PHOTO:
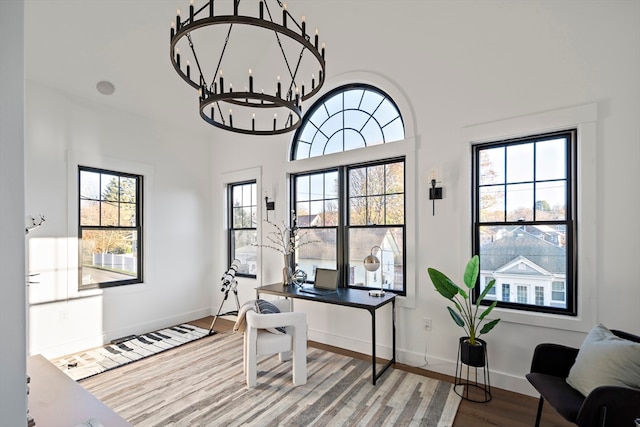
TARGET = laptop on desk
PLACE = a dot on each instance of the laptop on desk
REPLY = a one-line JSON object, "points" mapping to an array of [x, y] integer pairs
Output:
{"points": [[326, 282]]}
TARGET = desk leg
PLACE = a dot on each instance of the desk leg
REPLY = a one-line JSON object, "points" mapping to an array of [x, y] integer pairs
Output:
{"points": [[393, 329], [373, 349], [373, 340]]}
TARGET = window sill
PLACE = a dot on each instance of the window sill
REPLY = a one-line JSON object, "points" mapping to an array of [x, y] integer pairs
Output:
{"points": [[543, 320]]}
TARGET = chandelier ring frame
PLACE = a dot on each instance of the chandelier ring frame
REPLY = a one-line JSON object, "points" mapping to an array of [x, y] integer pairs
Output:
{"points": [[242, 99], [185, 29]]}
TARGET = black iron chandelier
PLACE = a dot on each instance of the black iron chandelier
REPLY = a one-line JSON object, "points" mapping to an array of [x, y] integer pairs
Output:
{"points": [[224, 43]]}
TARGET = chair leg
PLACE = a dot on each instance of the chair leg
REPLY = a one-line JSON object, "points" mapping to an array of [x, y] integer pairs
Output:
{"points": [[540, 403], [603, 416]]}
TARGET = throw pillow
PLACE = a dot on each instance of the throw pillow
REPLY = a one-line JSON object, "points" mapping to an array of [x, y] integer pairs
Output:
{"points": [[241, 322], [605, 359], [265, 307]]}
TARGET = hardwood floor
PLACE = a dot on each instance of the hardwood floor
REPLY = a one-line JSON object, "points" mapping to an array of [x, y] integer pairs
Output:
{"points": [[506, 408]]}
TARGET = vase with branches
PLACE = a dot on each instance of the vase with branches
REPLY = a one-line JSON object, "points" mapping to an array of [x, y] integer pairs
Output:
{"points": [[286, 239]]}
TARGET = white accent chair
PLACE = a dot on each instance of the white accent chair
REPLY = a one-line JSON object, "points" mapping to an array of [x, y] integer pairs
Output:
{"points": [[260, 342]]}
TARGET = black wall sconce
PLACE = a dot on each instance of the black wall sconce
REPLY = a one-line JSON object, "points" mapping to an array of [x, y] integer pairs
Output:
{"points": [[435, 193], [271, 205]]}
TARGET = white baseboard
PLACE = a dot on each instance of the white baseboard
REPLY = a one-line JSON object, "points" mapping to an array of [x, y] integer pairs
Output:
{"points": [[155, 324], [93, 341], [506, 381]]}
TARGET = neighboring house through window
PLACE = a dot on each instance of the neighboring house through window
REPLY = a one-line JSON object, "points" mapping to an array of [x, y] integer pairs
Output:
{"points": [[355, 209], [524, 227], [242, 215], [109, 227], [506, 292], [492, 292]]}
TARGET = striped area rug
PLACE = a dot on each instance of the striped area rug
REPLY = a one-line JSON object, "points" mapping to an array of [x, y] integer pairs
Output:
{"points": [[91, 362], [202, 384]]}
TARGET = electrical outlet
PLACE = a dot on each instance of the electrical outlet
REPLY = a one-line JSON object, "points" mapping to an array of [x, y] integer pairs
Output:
{"points": [[427, 323]]}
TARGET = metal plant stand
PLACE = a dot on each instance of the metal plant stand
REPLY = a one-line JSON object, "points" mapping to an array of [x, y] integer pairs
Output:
{"points": [[472, 376]]}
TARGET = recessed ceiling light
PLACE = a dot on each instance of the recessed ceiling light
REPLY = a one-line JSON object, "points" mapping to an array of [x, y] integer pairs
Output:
{"points": [[105, 87]]}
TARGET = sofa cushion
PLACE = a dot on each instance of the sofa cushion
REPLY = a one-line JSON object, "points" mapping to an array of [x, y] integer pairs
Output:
{"points": [[605, 359]]}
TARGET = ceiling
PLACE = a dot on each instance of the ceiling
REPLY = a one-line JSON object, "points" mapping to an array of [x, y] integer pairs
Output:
{"points": [[71, 45]]}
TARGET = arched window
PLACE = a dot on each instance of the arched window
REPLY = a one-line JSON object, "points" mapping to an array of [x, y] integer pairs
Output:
{"points": [[352, 210], [348, 117]]}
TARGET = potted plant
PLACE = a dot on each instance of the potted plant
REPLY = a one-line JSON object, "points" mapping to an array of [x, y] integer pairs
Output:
{"points": [[468, 315]]}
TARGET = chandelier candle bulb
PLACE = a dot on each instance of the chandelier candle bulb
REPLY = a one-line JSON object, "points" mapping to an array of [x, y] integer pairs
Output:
{"points": [[284, 15], [235, 7], [211, 8], [221, 82], [261, 10], [178, 19], [322, 50], [275, 117], [230, 87], [230, 118], [250, 81], [279, 88], [173, 29], [191, 11], [188, 70], [316, 39], [313, 82], [304, 25], [178, 57], [253, 122]]}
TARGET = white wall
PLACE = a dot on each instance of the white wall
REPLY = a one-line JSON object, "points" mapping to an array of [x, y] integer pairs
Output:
{"points": [[13, 387], [463, 68], [62, 132]]}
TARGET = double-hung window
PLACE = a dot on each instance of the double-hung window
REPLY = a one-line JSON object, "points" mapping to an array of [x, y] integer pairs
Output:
{"points": [[109, 228], [524, 220], [242, 216], [353, 211]]}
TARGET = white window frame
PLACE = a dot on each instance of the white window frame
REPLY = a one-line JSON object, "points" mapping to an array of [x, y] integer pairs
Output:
{"points": [[525, 288], [535, 294], [405, 148], [226, 179], [78, 158], [584, 119]]}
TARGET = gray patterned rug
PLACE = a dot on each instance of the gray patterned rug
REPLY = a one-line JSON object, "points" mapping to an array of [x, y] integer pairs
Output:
{"points": [[202, 384]]}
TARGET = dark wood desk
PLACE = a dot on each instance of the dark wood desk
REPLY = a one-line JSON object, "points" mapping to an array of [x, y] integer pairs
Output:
{"points": [[347, 297]]}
